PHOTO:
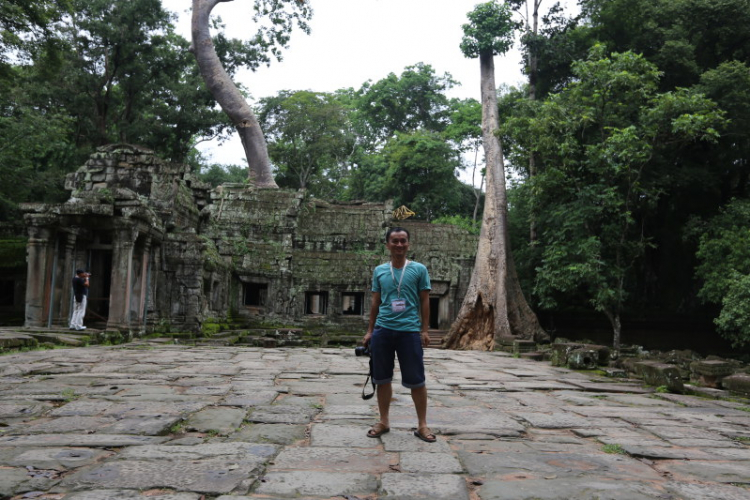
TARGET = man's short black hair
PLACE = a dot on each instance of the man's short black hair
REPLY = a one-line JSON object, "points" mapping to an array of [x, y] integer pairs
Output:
{"points": [[396, 230]]}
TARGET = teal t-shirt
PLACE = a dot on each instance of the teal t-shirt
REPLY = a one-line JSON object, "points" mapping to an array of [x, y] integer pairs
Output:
{"points": [[414, 281]]}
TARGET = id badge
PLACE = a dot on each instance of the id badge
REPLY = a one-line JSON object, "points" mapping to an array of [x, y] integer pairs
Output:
{"points": [[398, 305]]}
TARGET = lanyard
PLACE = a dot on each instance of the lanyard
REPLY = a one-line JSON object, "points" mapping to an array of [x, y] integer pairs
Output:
{"points": [[401, 279]]}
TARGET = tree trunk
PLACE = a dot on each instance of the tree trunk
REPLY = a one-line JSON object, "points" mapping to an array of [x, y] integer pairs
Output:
{"points": [[494, 305], [533, 72], [614, 319], [229, 97]]}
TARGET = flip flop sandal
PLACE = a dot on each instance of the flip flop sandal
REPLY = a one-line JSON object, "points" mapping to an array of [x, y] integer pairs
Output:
{"points": [[425, 434], [378, 430]]}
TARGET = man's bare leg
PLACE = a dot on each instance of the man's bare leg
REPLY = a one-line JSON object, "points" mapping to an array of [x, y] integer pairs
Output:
{"points": [[385, 393], [419, 396]]}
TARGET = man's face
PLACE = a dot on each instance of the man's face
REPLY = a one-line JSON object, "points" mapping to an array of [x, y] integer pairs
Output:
{"points": [[398, 243]]}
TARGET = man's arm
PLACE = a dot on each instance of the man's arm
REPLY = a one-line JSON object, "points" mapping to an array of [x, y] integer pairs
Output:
{"points": [[424, 312], [374, 308]]}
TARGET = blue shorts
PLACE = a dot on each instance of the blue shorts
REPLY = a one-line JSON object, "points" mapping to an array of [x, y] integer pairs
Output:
{"points": [[385, 344]]}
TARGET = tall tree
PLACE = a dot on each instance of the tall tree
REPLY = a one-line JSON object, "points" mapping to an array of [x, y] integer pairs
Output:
{"points": [[282, 15], [310, 140], [494, 305], [421, 171], [601, 141]]}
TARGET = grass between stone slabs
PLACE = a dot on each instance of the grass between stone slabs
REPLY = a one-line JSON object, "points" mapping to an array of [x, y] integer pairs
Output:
{"points": [[614, 449]]}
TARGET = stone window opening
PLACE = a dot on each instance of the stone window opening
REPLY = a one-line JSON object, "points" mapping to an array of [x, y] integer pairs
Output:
{"points": [[352, 303], [316, 303], [255, 294]]}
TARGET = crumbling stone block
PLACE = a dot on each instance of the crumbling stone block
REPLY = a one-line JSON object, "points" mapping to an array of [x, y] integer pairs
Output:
{"points": [[560, 352], [709, 373], [660, 375], [520, 346], [739, 383], [583, 359]]}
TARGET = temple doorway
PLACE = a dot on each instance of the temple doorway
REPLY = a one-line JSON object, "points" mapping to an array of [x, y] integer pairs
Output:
{"points": [[100, 266]]}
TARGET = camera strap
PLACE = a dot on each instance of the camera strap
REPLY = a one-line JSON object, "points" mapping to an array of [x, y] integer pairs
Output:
{"points": [[369, 377]]}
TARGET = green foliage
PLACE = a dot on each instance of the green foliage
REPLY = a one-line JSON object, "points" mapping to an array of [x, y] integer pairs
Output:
{"points": [[13, 253], [490, 30], [724, 269], [463, 222], [614, 449], [421, 169], [216, 174], [310, 140], [596, 143], [414, 100]]}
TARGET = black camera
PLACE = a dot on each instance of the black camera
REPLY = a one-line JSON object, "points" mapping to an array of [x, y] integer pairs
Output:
{"points": [[362, 350]]}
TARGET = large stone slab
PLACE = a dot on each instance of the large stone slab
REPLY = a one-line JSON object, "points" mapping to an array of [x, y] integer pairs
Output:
{"points": [[401, 440], [541, 465], [710, 471], [342, 436], [222, 420], [281, 414], [228, 450], [568, 488], [423, 486], [695, 491], [425, 462], [22, 410], [131, 494], [317, 483], [59, 459], [270, 433], [211, 476], [336, 460], [256, 398], [84, 440]]}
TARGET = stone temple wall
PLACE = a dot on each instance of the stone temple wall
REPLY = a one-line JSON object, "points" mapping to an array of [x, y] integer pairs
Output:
{"points": [[288, 257], [170, 252]]}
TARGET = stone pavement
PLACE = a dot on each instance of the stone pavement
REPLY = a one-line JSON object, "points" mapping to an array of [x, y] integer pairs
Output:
{"points": [[168, 422]]}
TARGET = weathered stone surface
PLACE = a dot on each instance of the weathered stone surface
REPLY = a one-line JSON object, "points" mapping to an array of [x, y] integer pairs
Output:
{"points": [[540, 465], [583, 359], [270, 433], [399, 440], [335, 460], [518, 443], [738, 383], [695, 491], [130, 494], [281, 414], [221, 420], [103, 440], [210, 476], [427, 486], [424, 462], [660, 375], [342, 436], [711, 471], [553, 488], [58, 458], [245, 451], [320, 484], [259, 398]]}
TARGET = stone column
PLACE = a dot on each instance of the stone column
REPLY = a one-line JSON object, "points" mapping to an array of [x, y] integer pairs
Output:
{"points": [[67, 277], [145, 262], [38, 259], [122, 273]]}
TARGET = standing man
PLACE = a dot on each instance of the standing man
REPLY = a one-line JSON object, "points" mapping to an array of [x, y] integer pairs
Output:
{"points": [[399, 319], [81, 294]]}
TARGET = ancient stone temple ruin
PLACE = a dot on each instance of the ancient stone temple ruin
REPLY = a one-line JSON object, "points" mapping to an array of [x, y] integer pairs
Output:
{"points": [[166, 250]]}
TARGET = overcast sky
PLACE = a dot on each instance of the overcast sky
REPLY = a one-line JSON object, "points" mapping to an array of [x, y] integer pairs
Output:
{"points": [[352, 41]]}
